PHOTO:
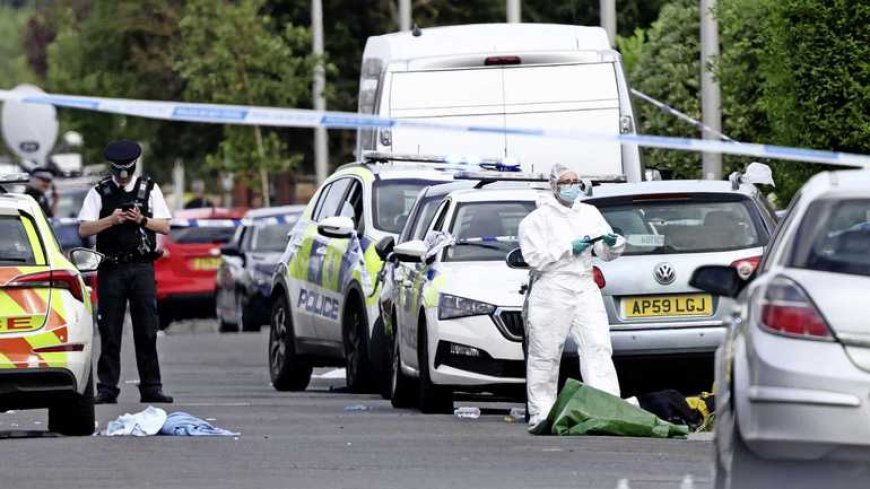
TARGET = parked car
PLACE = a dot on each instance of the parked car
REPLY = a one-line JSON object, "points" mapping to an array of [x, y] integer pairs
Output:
{"points": [[244, 278], [185, 274], [71, 194], [46, 321], [451, 303], [793, 374], [324, 293]]}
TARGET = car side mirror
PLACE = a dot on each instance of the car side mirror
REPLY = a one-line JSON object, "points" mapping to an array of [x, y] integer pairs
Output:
{"points": [[86, 260], [411, 251], [230, 250], [385, 246], [515, 259], [718, 280], [340, 227]]}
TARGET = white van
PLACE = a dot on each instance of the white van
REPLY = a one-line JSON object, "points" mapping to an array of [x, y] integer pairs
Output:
{"points": [[515, 75]]}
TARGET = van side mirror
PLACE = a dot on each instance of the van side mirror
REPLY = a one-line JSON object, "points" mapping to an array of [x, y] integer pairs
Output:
{"points": [[384, 247], [411, 251], [718, 280], [515, 260], [230, 249], [340, 227]]}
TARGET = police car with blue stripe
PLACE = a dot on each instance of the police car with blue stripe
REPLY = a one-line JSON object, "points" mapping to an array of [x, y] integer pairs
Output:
{"points": [[324, 308]]}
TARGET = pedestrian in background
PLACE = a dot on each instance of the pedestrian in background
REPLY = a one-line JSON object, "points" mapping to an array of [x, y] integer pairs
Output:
{"points": [[125, 213], [557, 241], [199, 200], [41, 182]]}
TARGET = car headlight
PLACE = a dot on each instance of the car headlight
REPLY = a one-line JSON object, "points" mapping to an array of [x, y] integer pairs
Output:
{"points": [[451, 306]]}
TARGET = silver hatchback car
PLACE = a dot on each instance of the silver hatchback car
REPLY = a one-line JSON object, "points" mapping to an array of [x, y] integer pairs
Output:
{"points": [[672, 228], [793, 377]]}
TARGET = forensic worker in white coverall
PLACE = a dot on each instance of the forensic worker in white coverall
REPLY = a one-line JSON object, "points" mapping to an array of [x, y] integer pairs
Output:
{"points": [[557, 241]]}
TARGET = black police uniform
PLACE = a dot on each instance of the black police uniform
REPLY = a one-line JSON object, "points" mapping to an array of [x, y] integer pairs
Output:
{"points": [[127, 275], [40, 198]]}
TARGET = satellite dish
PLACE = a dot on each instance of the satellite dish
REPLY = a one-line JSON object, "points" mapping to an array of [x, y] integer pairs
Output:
{"points": [[29, 130]]}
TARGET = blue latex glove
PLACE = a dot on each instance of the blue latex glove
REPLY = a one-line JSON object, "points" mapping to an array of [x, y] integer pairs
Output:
{"points": [[609, 239], [579, 245]]}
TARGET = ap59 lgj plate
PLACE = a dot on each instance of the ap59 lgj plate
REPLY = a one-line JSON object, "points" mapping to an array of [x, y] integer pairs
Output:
{"points": [[668, 305]]}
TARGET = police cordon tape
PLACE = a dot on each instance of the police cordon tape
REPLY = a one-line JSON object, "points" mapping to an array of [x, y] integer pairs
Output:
{"points": [[283, 117], [230, 223]]}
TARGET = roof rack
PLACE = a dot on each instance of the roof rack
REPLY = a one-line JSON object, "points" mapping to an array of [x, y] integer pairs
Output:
{"points": [[12, 178]]}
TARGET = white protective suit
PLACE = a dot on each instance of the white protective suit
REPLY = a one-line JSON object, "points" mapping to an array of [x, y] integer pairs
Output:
{"points": [[564, 298]]}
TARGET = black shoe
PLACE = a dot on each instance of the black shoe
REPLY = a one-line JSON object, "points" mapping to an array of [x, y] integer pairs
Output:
{"points": [[105, 398], [156, 397]]}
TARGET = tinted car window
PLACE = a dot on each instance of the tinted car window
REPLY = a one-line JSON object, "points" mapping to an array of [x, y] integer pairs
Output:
{"points": [[684, 225], [69, 204], [486, 231], [272, 238], [201, 235], [14, 246], [392, 201], [834, 237]]}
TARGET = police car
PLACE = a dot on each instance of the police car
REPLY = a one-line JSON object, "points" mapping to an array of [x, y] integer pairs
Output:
{"points": [[46, 319], [323, 301], [453, 305]]}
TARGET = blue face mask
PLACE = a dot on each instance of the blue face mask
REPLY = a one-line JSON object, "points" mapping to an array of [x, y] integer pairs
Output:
{"points": [[569, 193]]}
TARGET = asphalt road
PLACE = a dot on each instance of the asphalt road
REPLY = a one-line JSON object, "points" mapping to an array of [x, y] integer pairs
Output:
{"points": [[303, 440]]}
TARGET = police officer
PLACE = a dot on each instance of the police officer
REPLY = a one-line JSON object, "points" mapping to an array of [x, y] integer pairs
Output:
{"points": [[41, 181], [125, 213]]}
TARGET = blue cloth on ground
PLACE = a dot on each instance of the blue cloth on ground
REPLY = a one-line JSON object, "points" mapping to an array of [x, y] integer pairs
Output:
{"points": [[183, 424]]}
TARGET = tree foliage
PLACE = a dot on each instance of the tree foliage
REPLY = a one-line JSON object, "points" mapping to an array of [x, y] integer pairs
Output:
{"points": [[264, 69]]}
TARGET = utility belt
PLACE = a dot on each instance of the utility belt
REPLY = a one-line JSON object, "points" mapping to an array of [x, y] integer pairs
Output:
{"points": [[131, 257]]}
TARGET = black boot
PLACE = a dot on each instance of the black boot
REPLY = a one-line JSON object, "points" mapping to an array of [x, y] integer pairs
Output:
{"points": [[105, 398], [156, 397]]}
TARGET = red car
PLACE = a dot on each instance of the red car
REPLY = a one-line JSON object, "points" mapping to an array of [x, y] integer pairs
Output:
{"points": [[185, 274]]}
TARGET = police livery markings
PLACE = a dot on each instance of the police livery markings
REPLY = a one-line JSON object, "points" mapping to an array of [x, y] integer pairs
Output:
{"points": [[284, 117]]}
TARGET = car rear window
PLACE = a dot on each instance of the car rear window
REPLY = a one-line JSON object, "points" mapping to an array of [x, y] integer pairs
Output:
{"points": [[15, 248], [201, 235], [393, 201], [834, 237], [658, 225], [486, 231]]}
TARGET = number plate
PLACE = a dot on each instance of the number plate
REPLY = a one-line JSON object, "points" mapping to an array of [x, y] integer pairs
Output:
{"points": [[210, 263], [668, 305]]}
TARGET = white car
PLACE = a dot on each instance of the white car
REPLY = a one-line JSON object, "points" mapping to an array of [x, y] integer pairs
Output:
{"points": [[46, 320], [453, 305]]}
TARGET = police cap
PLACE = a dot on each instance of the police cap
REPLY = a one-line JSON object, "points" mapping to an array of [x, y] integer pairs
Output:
{"points": [[122, 152]]}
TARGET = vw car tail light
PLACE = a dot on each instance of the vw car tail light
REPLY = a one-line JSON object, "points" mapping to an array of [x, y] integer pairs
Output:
{"points": [[746, 266], [598, 276]]}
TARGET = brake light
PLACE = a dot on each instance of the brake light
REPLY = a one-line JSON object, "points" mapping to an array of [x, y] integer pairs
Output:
{"points": [[502, 60], [598, 277], [746, 266], [786, 309], [56, 279]]}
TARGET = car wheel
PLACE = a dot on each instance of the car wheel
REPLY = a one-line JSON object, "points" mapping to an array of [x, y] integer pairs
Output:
{"points": [[287, 371], [75, 418], [165, 315], [434, 399], [379, 352], [247, 319], [403, 393], [356, 353]]}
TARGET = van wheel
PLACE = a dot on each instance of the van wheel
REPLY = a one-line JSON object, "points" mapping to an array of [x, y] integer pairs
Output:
{"points": [[287, 371], [403, 393], [75, 418], [434, 399], [356, 353]]}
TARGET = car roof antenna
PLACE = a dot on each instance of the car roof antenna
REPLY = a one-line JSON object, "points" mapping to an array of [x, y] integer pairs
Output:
{"points": [[415, 30]]}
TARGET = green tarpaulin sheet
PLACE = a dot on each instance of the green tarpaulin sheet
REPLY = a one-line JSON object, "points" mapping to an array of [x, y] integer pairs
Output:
{"points": [[583, 410]]}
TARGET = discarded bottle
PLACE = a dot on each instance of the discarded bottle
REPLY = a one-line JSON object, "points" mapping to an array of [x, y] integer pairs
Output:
{"points": [[467, 412], [356, 407]]}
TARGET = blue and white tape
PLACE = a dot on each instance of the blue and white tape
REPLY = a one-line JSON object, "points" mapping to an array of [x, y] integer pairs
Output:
{"points": [[282, 117]]}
